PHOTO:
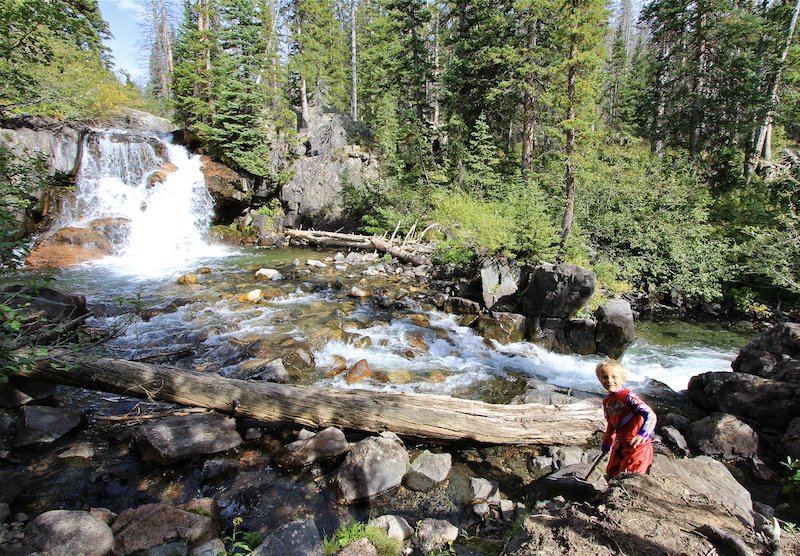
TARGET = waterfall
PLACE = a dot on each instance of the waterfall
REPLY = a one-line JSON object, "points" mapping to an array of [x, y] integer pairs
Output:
{"points": [[151, 193]]}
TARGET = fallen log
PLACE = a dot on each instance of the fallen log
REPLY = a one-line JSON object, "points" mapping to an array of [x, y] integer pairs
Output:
{"points": [[354, 241], [428, 417]]}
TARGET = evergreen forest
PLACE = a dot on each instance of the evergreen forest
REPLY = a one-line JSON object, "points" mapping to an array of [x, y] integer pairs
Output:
{"points": [[657, 144]]}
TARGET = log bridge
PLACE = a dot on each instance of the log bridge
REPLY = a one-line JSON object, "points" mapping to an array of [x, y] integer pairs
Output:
{"points": [[433, 418]]}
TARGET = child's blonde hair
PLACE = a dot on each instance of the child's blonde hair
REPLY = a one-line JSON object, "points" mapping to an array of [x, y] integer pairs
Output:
{"points": [[611, 364]]}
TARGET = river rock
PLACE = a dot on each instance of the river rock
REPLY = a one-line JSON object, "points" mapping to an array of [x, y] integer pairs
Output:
{"points": [[506, 328], [268, 274], [769, 403], [499, 282], [723, 435], [774, 354], [614, 331], [358, 372], [69, 246], [580, 336], [264, 369], [69, 532], [325, 444], [176, 438], [557, 291], [187, 279], [297, 538], [428, 470], [461, 306], [42, 425], [374, 465], [432, 534], [20, 391], [152, 525], [394, 526]]}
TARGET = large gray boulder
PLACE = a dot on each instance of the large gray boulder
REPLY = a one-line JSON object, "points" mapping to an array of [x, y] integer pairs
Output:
{"points": [[428, 470], [57, 143], [374, 465], [614, 331], [557, 291], [723, 435], [500, 280], [43, 425], [181, 437], [69, 532], [297, 538], [775, 354]]}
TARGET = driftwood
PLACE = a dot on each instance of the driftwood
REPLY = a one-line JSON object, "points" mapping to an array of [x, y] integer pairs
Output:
{"points": [[429, 417], [354, 241]]}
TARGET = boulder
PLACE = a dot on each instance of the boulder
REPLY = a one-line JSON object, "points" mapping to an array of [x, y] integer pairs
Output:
{"points": [[461, 306], [506, 328], [297, 538], [614, 330], [42, 425], [325, 444], [46, 305], [557, 291], [723, 435], [499, 281], [791, 440], [763, 401], [774, 354], [176, 438], [69, 246], [433, 534], [673, 438], [580, 336], [394, 526], [151, 525], [263, 369], [69, 532], [358, 372], [20, 391], [428, 470], [374, 466], [228, 189], [136, 120], [57, 143]]}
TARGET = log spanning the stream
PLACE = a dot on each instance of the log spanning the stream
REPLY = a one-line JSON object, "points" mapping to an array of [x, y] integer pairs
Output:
{"points": [[429, 417], [354, 241]]}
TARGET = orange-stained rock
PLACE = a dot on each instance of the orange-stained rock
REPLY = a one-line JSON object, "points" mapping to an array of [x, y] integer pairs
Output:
{"points": [[418, 341], [339, 366], [187, 279], [252, 296], [161, 174], [359, 371], [437, 377], [223, 183], [69, 246], [420, 320]]}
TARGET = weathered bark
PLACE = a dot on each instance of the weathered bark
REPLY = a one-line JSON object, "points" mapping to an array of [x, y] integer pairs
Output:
{"points": [[569, 147], [353, 241], [429, 417], [353, 67]]}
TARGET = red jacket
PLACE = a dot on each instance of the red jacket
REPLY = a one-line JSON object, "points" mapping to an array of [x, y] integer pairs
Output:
{"points": [[627, 415]]}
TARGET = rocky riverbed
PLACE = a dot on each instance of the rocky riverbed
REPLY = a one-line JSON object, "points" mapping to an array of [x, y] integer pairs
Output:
{"points": [[90, 473]]}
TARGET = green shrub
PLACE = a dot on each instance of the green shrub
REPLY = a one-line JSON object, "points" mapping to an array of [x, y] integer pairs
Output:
{"points": [[482, 226], [791, 483], [356, 531]]}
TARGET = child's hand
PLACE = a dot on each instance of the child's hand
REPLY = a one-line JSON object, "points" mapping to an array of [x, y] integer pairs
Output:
{"points": [[637, 440]]}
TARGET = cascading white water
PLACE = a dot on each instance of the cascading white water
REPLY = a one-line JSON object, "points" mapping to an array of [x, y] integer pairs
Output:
{"points": [[165, 221]]}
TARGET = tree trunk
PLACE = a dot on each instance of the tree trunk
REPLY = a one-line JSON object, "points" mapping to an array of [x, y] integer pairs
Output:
{"points": [[529, 110], [353, 67], [772, 102], [429, 417], [354, 241], [569, 171]]}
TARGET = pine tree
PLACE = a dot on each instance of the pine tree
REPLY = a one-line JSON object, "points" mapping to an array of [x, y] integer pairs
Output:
{"points": [[481, 163]]}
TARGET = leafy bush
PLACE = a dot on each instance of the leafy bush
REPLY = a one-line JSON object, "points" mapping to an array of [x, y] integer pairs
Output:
{"points": [[481, 226], [356, 531], [791, 483]]}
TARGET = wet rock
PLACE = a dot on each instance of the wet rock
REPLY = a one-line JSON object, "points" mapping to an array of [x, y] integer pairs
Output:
{"points": [[417, 341], [42, 425], [580, 336], [428, 470], [673, 438], [45, 305], [420, 320], [83, 452], [268, 274], [187, 279], [176, 438], [461, 306], [432, 534], [325, 444], [361, 547], [614, 331], [358, 372], [315, 263], [506, 328], [152, 525], [253, 296], [339, 366], [723, 435], [69, 246], [69, 532], [394, 526], [774, 354], [557, 291], [374, 466], [228, 189], [500, 280], [297, 538], [299, 360], [358, 293], [263, 369], [20, 391], [161, 174]]}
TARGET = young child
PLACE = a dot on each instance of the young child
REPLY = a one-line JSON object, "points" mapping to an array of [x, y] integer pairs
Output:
{"points": [[631, 422]]}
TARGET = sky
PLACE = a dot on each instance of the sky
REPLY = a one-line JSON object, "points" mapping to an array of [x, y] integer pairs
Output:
{"points": [[125, 20]]}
